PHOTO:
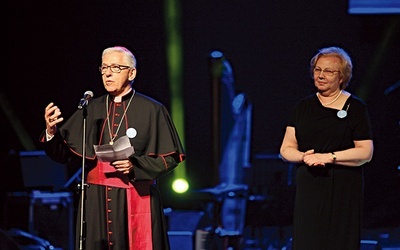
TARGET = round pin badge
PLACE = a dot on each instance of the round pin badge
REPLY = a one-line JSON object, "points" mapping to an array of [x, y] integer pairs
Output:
{"points": [[131, 132], [341, 114]]}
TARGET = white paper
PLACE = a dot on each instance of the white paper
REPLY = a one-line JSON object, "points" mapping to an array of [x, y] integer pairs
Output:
{"points": [[121, 149]]}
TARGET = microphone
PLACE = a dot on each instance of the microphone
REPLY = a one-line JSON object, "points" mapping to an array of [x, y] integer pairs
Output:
{"points": [[87, 96]]}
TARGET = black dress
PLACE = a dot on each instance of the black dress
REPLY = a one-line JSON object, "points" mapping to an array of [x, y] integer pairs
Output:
{"points": [[158, 151], [328, 203]]}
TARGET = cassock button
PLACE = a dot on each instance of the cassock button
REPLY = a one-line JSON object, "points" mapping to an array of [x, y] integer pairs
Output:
{"points": [[109, 210], [108, 199], [111, 243], [109, 221], [109, 189], [110, 233]]}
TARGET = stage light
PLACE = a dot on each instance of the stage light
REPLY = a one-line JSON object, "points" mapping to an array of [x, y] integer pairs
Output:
{"points": [[175, 66], [180, 186]]}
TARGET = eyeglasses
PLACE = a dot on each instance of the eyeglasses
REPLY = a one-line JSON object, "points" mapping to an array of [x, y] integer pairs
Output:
{"points": [[115, 68], [327, 72]]}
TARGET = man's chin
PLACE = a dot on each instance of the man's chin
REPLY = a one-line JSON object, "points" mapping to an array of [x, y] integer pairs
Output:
{"points": [[111, 91]]}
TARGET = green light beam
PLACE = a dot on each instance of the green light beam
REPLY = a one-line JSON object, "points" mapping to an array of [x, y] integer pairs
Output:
{"points": [[174, 51]]}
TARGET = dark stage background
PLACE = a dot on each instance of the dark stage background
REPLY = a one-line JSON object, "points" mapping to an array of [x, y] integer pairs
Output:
{"points": [[54, 50]]}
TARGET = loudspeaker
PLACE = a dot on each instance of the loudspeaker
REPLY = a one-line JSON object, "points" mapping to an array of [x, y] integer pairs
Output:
{"points": [[181, 240], [182, 226], [51, 217]]}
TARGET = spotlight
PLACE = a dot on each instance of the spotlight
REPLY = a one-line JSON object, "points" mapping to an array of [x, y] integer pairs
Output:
{"points": [[180, 186]]}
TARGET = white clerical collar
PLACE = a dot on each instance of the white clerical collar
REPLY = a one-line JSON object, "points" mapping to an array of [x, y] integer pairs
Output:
{"points": [[119, 98]]}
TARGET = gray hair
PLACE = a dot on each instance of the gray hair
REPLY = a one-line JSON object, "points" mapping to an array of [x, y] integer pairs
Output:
{"points": [[131, 59], [346, 66]]}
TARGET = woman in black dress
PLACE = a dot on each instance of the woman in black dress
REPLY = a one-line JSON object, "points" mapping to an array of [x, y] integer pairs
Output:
{"points": [[329, 137]]}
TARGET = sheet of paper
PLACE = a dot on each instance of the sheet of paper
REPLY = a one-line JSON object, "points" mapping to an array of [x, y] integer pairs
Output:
{"points": [[121, 149]]}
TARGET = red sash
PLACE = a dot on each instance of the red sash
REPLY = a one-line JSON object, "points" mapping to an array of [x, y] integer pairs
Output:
{"points": [[138, 199]]}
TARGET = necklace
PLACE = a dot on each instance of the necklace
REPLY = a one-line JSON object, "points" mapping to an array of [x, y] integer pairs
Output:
{"points": [[329, 103], [112, 138]]}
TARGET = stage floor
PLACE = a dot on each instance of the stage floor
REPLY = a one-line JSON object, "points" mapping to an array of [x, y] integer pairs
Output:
{"points": [[278, 238]]}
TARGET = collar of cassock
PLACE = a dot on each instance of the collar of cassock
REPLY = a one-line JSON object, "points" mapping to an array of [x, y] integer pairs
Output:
{"points": [[125, 97]]}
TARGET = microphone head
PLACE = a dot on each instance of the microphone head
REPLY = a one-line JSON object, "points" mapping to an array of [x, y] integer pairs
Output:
{"points": [[87, 96], [89, 93]]}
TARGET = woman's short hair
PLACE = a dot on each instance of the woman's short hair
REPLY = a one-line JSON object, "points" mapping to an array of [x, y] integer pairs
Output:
{"points": [[346, 66]]}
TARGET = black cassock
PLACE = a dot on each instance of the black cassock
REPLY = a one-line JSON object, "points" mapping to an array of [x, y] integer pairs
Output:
{"points": [[122, 208]]}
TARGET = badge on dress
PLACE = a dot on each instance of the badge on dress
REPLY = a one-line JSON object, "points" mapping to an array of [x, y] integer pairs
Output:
{"points": [[343, 113]]}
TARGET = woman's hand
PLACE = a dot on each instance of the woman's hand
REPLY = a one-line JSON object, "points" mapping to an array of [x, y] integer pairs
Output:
{"points": [[317, 160]]}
